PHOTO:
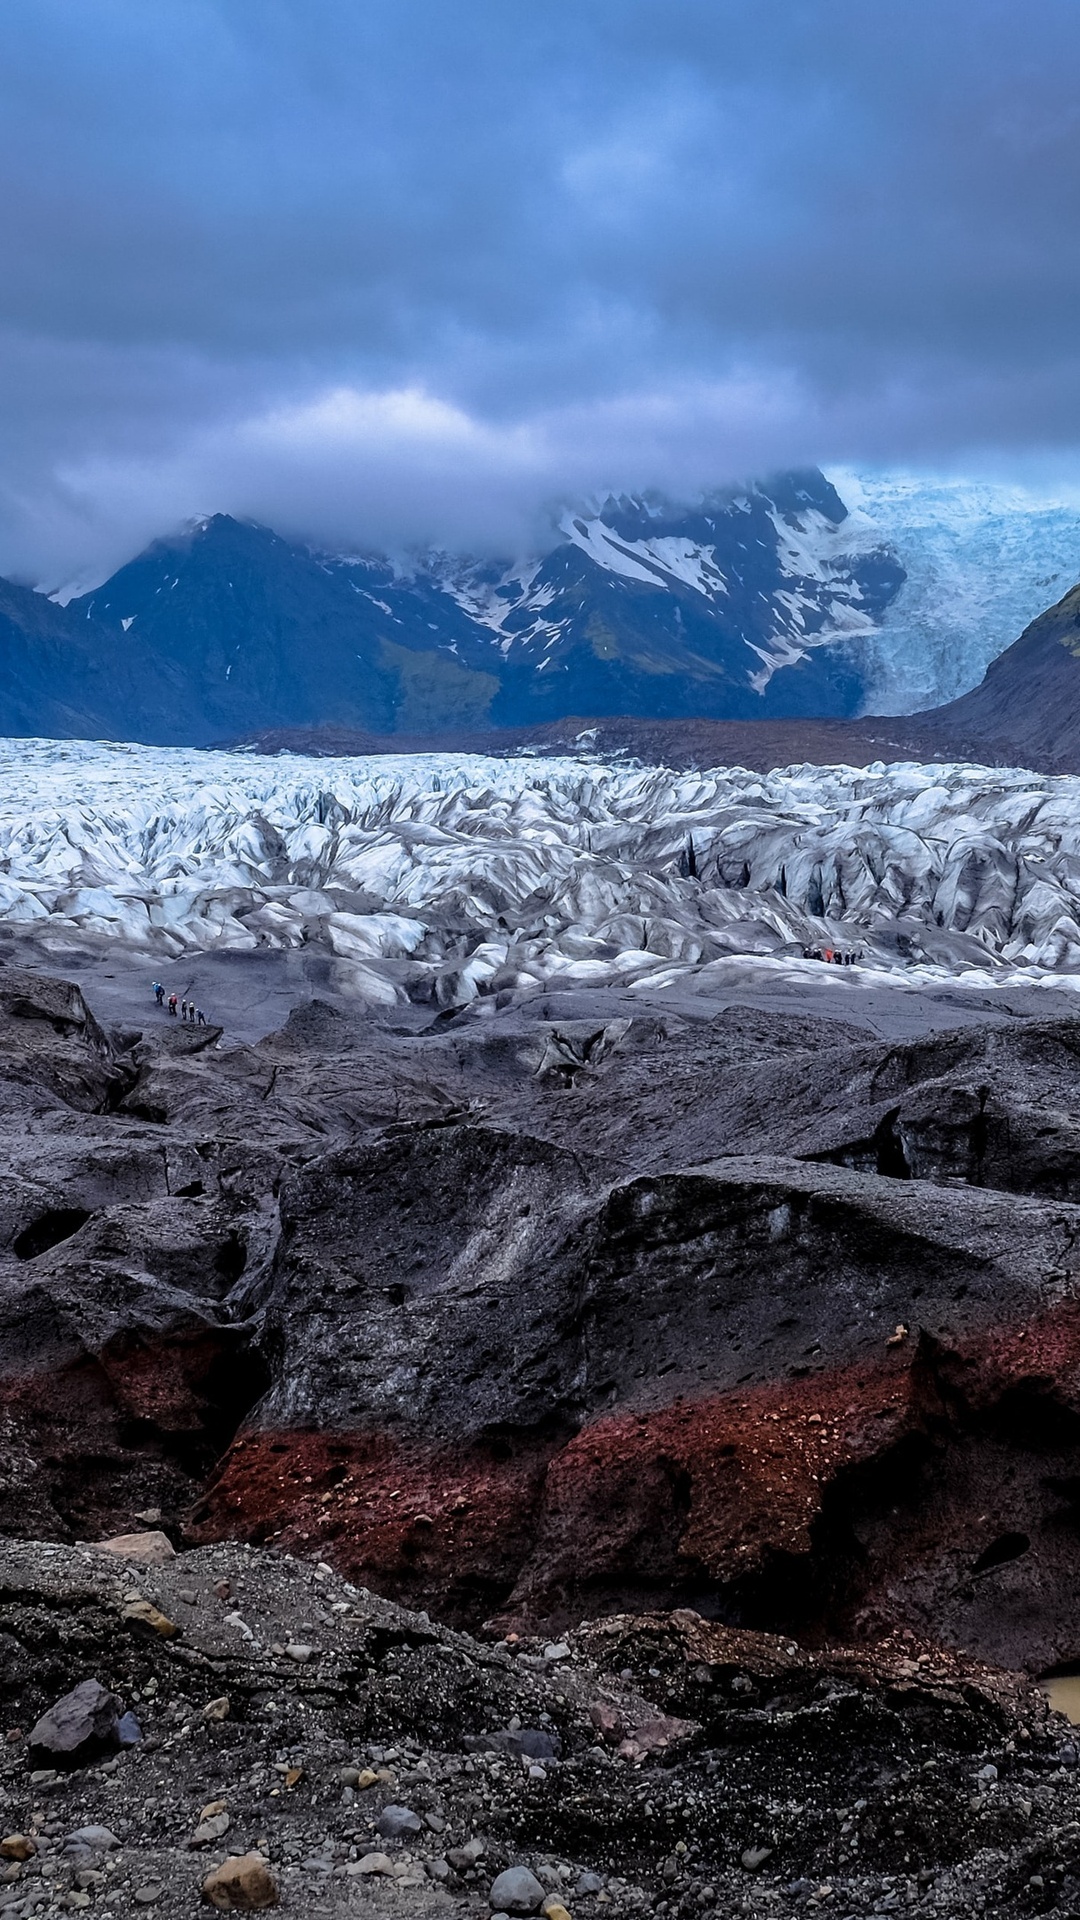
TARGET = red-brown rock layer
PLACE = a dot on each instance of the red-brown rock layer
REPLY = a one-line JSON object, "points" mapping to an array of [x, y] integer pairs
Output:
{"points": [[907, 1490]]}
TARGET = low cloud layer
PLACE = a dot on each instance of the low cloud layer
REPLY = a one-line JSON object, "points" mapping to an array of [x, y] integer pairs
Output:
{"points": [[408, 272]]}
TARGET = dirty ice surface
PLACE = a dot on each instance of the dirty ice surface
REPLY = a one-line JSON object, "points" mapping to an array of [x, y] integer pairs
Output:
{"points": [[446, 882]]}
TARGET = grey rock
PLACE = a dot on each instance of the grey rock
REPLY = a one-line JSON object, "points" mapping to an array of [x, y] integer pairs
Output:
{"points": [[518, 1890], [97, 1839], [394, 1823], [83, 1722]]}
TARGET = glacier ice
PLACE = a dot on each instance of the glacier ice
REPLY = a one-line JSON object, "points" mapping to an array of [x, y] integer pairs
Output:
{"points": [[451, 880], [982, 560]]}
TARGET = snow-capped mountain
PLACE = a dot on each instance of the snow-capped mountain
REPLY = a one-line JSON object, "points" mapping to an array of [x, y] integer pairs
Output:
{"points": [[770, 602], [751, 604], [774, 562]]}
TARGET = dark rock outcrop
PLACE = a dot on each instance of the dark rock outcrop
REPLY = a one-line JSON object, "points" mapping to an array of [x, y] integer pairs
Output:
{"points": [[527, 1318]]}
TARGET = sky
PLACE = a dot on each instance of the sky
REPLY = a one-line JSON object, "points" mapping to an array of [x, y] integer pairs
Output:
{"points": [[403, 272]]}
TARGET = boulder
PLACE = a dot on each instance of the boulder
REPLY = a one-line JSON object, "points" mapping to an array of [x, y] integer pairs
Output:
{"points": [[517, 1891], [151, 1549], [84, 1722]]}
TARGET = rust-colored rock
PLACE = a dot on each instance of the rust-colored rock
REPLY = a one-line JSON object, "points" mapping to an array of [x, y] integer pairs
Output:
{"points": [[17, 1846], [243, 1883]]}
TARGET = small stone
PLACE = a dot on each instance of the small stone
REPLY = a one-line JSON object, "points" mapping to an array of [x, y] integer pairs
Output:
{"points": [[218, 1709], [373, 1863], [188, 1595], [435, 1822], [152, 1549], [589, 1883], [76, 1898], [83, 1722], [987, 1774], [395, 1822], [755, 1857], [655, 1736], [557, 1650], [518, 1890], [223, 1589], [143, 1613], [146, 1896], [553, 1908], [243, 1883], [212, 1827], [17, 1846], [128, 1732], [100, 1839], [298, 1652], [150, 1516], [367, 1777], [607, 1720], [462, 1858]]}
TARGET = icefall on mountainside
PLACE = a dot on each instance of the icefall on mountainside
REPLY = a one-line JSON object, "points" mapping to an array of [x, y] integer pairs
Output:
{"points": [[444, 880], [981, 560]]}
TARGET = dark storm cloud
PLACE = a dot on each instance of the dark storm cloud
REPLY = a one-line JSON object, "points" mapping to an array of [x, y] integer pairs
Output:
{"points": [[410, 271]]}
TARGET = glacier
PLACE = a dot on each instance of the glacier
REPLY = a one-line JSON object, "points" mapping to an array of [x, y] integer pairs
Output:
{"points": [[454, 882], [982, 560]]}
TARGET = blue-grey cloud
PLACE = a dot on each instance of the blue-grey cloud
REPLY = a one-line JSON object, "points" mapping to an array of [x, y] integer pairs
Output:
{"points": [[408, 271]]}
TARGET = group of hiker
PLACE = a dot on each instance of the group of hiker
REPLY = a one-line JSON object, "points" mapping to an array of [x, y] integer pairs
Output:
{"points": [[182, 1009], [835, 956]]}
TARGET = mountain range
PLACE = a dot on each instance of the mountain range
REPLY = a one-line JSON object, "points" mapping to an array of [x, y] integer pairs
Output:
{"points": [[682, 628], [752, 604]]}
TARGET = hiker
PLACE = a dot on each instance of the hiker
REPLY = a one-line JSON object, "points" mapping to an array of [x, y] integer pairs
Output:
{"points": [[172, 1005], [159, 993], [201, 1017]]}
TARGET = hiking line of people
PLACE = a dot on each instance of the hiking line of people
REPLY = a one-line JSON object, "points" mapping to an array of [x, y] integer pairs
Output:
{"points": [[834, 956], [186, 1009]]}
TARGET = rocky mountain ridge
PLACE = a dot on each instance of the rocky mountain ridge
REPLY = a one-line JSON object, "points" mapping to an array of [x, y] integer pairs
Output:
{"points": [[748, 605]]}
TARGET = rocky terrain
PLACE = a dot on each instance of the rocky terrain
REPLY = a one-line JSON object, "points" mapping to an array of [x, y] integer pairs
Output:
{"points": [[363, 1761], [712, 1377]]}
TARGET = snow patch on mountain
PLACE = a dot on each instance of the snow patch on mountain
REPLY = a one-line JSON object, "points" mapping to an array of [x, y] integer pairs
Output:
{"points": [[656, 561]]}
